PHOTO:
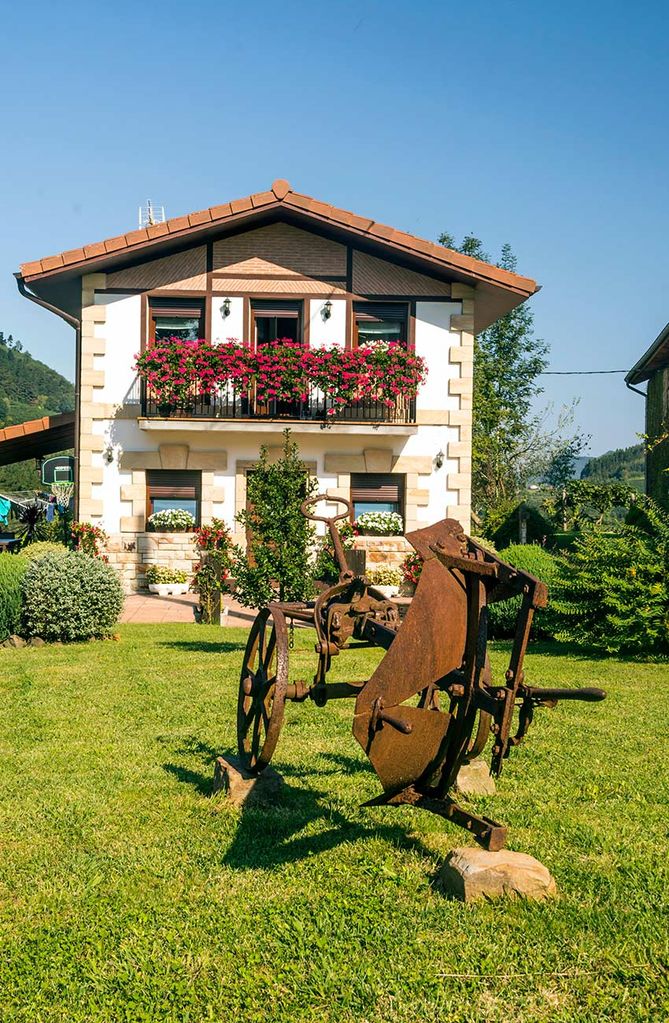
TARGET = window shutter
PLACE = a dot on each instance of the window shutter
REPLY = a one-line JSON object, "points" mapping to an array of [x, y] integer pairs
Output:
{"points": [[174, 483], [376, 486], [267, 307], [370, 312]]}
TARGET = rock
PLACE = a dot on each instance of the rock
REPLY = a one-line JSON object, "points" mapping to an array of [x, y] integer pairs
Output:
{"points": [[474, 779], [15, 641], [36, 641], [242, 787], [476, 873]]}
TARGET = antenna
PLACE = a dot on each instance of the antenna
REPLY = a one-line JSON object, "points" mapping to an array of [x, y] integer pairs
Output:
{"points": [[151, 213]]}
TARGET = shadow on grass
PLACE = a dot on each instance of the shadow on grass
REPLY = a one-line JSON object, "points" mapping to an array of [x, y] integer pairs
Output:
{"points": [[264, 838], [203, 646], [341, 764]]}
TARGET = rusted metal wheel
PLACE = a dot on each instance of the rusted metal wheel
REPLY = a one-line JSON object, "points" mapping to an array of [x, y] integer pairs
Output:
{"points": [[262, 689]]}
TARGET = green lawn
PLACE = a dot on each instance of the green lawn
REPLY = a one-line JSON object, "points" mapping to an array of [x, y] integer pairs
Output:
{"points": [[126, 893]]}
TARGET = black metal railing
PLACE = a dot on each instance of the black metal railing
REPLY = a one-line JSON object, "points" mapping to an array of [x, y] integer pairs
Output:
{"points": [[229, 403]]}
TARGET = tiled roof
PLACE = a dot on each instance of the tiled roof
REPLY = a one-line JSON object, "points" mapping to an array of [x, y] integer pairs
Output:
{"points": [[652, 360], [37, 437], [281, 195]]}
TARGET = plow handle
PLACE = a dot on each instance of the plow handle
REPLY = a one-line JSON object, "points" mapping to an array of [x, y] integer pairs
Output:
{"points": [[330, 523], [588, 694]]}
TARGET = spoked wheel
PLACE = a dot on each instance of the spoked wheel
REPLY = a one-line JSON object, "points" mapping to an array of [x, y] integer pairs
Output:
{"points": [[262, 689]]}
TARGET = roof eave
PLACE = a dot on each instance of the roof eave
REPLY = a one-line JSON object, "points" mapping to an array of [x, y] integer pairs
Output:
{"points": [[641, 371]]}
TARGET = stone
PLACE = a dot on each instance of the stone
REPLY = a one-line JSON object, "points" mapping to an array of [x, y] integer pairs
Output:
{"points": [[15, 641], [36, 641], [474, 779], [471, 874], [242, 787]]}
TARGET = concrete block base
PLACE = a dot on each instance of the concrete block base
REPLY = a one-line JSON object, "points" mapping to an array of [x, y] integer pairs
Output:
{"points": [[241, 787], [474, 779]]}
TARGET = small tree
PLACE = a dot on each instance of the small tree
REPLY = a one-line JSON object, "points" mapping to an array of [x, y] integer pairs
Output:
{"points": [[276, 561]]}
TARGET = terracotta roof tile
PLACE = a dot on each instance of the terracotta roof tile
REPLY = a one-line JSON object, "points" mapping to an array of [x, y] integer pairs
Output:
{"points": [[137, 237], [114, 244], [201, 217], [282, 194], [157, 230]]}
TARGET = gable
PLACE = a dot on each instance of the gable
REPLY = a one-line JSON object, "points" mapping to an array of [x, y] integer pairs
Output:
{"points": [[373, 276], [184, 271], [280, 248]]}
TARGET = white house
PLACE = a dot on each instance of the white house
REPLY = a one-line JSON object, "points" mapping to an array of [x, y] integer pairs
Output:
{"points": [[274, 264]]}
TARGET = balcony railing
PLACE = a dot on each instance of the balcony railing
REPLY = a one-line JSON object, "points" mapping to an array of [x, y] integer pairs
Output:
{"points": [[227, 403]]}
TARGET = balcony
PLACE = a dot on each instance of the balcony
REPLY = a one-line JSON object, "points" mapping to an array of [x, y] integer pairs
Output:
{"points": [[228, 408]]}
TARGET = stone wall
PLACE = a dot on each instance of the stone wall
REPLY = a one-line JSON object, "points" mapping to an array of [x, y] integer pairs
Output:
{"points": [[131, 556], [383, 551]]}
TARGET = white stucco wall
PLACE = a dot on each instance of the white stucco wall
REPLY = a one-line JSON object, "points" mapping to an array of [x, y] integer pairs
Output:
{"points": [[433, 341], [122, 331], [327, 332], [231, 327]]}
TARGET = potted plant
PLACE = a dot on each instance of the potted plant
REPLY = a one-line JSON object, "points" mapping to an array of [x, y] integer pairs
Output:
{"points": [[385, 580], [410, 569], [164, 580], [212, 575], [380, 524], [171, 520]]}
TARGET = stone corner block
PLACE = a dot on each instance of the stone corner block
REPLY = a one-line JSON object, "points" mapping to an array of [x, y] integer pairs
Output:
{"points": [[471, 874], [242, 787], [378, 459]]}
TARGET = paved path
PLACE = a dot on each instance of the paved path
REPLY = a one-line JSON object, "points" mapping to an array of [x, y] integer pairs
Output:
{"points": [[150, 609]]}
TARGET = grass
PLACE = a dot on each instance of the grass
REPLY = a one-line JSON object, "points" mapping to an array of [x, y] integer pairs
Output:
{"points": [[127, 894]]}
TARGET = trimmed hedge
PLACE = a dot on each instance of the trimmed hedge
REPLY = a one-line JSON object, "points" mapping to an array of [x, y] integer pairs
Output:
{"points": [[545, 566], [70, 596], [12, 570]]}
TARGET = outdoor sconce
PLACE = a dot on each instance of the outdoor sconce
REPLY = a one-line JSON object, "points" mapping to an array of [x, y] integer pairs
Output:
{"points": [[439, 459], [225, 308], [108, 455], [326, 311]]}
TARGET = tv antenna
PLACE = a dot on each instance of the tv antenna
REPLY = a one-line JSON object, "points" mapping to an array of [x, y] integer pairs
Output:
{"points": [[151, 213]]}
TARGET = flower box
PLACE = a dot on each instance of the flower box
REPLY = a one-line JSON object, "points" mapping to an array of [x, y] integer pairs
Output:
{"points": [[168, 589]]}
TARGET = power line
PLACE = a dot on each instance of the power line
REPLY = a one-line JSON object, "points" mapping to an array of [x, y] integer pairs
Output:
{"points": [[579, 372]]}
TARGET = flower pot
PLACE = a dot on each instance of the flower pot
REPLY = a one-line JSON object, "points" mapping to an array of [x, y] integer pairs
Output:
{"points": [[167, 589]]}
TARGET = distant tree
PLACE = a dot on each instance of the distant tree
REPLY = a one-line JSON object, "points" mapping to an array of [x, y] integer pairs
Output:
{"points": [[511, 444], [623, 464]]}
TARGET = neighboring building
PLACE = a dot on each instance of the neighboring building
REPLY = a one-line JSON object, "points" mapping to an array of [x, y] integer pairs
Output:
{"points": [[254, 269], [653, 366]]}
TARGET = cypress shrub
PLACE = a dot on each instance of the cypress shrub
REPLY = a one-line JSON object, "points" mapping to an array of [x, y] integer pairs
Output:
{"points": [[12, 570], [70, 596], [546, 567]]}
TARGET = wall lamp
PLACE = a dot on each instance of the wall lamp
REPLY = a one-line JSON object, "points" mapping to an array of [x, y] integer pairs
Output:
{"points": [[439, 459], [225, 308], [326, 311]]}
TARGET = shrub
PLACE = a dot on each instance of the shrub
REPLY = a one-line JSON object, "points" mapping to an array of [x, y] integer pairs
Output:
{"points": [[171, 520], [380, 524], [325, 567], [37, 550], [538, 562], [70, 596], [89, 539], [385, 577], [12, 570], [164, 574], [615, 593]]}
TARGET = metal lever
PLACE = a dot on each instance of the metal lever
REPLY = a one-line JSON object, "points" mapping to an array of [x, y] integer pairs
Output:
{"points": [[588, 694]]}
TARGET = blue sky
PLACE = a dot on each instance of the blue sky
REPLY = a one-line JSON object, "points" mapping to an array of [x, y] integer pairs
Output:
{"points": [[544, 125]]}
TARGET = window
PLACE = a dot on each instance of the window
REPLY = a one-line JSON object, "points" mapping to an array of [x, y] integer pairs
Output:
{"points": [[272, 320], [373, 321], [170, 317], [174, 488], [375, 492]]}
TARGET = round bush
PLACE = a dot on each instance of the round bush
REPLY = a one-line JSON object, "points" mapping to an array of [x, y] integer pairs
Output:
{"points": [[544, 566], [12, 570], [70, 596], [36, 550]]}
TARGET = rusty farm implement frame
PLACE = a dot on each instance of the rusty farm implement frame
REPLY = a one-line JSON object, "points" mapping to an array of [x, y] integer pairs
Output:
{"points": [[431, 704]]}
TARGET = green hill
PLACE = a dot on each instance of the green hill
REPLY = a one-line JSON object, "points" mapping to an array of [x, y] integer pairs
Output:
{"points": [[29, 389], [624, 465]]}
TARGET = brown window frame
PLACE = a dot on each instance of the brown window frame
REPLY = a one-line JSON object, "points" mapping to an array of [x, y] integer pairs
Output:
{"points": [[188, 308], [180, 484], [378, 311], [287, 309]]}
